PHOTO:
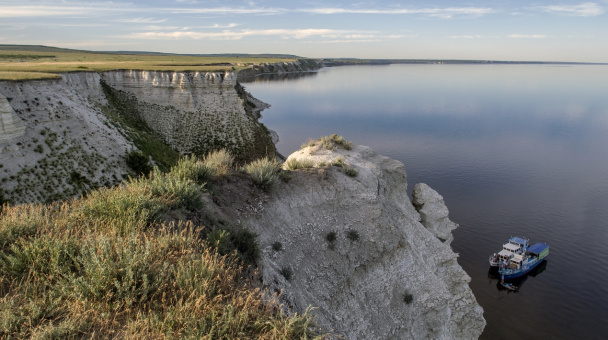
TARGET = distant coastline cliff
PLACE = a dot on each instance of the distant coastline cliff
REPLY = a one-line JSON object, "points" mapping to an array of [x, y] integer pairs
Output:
{"points": [[388, 271]]}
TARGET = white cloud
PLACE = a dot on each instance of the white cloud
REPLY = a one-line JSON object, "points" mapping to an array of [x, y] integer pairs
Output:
{"points": [[527, 36], [476, 36], [436, 12], [586, 9], [143, 21], [228, 10], [80, 9], [282, 33]]}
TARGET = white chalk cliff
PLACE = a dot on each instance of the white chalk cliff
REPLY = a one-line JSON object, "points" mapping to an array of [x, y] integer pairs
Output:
{"points": [[386, 275], [56, 141], [11, 126]]}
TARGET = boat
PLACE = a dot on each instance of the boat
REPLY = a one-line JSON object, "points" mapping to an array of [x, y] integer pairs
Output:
{"points": [[520, 264], [509, 286], [516, 245]]}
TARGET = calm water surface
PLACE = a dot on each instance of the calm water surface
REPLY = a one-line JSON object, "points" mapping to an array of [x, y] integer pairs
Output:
{"points": [[514, 150]]}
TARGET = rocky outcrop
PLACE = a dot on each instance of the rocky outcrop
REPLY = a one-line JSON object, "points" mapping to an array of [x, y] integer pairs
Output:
{"points": [[354, 248], [433, 212], [11, 127], [298, 66]]}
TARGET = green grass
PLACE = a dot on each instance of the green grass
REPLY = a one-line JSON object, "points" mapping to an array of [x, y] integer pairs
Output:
{"points": [[23, 63], [346, 169], [298, 163], [330, 142], [106, 266], [264, 172]]}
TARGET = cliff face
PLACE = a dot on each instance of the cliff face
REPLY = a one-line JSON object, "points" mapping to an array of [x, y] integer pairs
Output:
{"points": [[193, 112], [66, 146], [59, 141], [372, 263], [298, 66], [356, 250]]}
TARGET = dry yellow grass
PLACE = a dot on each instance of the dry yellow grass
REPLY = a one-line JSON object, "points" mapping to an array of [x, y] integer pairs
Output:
{"points": [[104, 266], [24, 65]]}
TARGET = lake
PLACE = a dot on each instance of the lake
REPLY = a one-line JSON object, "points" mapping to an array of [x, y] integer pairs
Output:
{"points": [[515, 150]]}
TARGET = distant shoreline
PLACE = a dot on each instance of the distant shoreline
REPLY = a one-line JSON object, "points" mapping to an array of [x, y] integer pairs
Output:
{"points": [[349, 61]]}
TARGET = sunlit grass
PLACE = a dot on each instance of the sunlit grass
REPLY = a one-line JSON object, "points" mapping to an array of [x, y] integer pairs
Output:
{"points": [[23, 64], [107, 266]]}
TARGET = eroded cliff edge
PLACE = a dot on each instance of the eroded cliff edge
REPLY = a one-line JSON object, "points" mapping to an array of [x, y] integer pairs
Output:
{"points": [[355, 249], [388, 272], [62, 138]]}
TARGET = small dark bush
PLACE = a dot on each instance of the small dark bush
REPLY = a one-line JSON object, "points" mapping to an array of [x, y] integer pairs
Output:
{"points": [[353, 235], [331, 236], [39, 148], [277, 246], [138, 162], [408, 298], [350, 171], [245, 242], [287, 273]]}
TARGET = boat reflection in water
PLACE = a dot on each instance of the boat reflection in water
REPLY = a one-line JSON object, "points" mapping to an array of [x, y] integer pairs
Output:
{"points": [[518, 282]]}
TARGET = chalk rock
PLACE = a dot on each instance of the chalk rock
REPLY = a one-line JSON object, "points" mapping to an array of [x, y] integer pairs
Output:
{"points": [[385, 276], [433, 212], [11, 126]]}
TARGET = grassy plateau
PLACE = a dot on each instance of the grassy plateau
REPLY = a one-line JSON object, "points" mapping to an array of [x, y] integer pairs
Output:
{"points": [[37, 62]]}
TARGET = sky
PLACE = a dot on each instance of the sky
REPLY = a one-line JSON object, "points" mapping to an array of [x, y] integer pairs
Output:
{"points": [[553, 30]]}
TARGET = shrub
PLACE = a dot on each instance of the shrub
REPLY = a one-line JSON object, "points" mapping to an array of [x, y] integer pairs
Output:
{"points": [[353, 235], [277, 246], [285, 176], [334, 141], [121, 273], [190, 168], [310, 142], [287, 273], [264, 172], [138, 162], [350, 171], [188, 194], [220, 162], [408, 298], [339, 162], [245, 242], [39, 148], [124, 209], [298, 163], [346, 169], [331, 236]]}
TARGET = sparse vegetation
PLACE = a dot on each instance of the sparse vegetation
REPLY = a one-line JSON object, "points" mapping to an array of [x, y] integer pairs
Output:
{"points": [[287, 273], [298, 163], [220, 162], [330, 142], [138, 162], [190, 167], [277, 246], [408, 298], [346, 169], [264, 172], [331, 236], [352, 235], [105, 266], [350, 171]]}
